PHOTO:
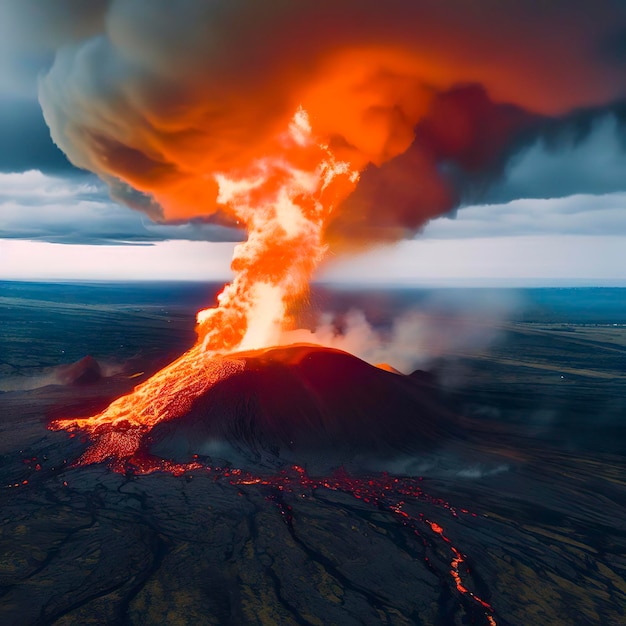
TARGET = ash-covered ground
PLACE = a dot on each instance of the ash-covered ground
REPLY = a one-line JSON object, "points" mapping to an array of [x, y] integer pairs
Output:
{"points": [[510, 511]]}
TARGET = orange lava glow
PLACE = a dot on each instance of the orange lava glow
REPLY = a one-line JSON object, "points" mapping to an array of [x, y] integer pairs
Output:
{"points": [[116, 432], [455, 564], [284, 201], [385, 492]]}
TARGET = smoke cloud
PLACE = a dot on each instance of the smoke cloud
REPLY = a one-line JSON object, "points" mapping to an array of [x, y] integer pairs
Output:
{"points": [[426, 99], [418, 337]]}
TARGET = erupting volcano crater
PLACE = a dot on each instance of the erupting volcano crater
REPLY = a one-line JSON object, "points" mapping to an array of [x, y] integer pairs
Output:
{"points": [[293, 403], [307, 399]]}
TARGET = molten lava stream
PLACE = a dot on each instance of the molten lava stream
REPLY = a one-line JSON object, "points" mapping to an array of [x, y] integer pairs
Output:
{"points": [[385, 493], [284, 200], [117, 431]]}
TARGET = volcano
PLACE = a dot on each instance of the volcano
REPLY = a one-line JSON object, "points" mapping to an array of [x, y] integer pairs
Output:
{"points": [[485, 521], [307, 400]]}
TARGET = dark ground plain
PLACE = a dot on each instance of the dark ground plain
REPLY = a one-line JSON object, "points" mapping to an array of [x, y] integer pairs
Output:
{"points": [[541, 464]]}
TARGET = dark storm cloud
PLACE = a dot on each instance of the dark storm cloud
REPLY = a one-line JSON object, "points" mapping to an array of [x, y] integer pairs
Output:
{"points": [[30, 33], [598, 215], [582, 155], [25, 141], [613, 48], [32, 30]]}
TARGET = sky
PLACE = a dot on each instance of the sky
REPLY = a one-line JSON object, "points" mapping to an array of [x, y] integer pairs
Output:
{"points": [[498, 158]]}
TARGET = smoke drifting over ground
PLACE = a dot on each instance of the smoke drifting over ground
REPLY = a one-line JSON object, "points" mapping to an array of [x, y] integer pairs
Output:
{"points": [[427, 99], [86, 371], [443, 326], [413, 340]]}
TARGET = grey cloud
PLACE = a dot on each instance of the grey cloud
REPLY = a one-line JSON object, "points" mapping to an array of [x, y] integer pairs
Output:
{"points": [[25, 141], [125, 194], [572, 215], [613, 48], [77, 210], [32, 30], [567, 160]]}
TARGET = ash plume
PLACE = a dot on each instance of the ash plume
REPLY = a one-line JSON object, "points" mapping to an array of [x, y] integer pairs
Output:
{"points": [[427, 99]]}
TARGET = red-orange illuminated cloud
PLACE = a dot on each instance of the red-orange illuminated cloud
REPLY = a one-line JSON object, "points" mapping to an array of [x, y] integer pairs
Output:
{"points": [[172, 93]]}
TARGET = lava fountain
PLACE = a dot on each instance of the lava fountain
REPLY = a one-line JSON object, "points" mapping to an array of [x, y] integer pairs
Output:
{"points": [[284, 201]]}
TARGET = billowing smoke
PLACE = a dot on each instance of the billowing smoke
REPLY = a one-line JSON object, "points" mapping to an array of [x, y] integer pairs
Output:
{"points": [[441, 327], [415, 339], [427, 99]]}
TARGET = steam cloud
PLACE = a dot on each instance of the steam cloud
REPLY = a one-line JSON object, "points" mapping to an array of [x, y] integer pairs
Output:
{"points": [[427, 99], [417, 337]]}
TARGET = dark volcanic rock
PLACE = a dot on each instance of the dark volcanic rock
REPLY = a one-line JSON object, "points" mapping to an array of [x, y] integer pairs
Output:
{"points": [[309, 399], [84, 372], [543, 538], [531, 496]]}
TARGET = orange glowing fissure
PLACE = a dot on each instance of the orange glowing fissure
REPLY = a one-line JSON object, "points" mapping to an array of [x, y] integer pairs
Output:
{"points": [[385, 492], [284, 200]]}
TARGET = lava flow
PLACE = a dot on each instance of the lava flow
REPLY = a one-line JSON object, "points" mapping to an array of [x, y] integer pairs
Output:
{"points": [[284, 201], [386, 493]]}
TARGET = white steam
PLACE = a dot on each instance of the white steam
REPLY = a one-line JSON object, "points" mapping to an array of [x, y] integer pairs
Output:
{"points": [[417, 337]]}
